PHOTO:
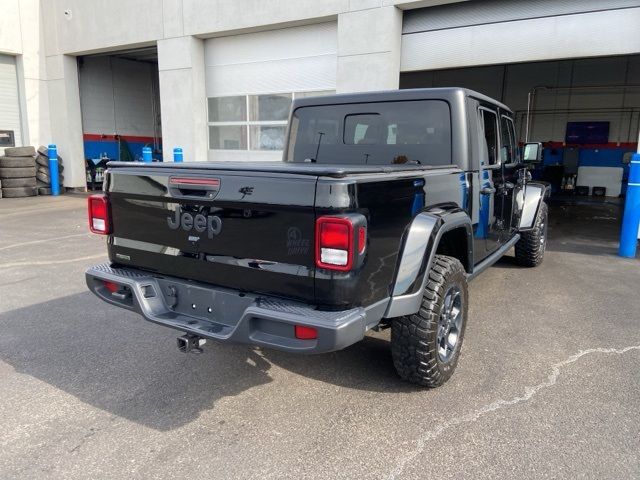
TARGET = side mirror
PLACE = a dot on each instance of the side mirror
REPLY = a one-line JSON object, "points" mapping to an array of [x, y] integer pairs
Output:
{"points": [[532, 152]]}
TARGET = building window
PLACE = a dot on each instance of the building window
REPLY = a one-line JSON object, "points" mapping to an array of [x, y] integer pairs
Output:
{"points": [[251, 122]]}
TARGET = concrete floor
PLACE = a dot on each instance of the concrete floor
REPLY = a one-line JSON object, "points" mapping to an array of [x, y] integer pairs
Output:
{"points": [[547, 386]]}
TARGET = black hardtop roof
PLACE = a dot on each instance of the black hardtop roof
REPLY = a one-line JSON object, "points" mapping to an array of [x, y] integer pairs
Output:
{"points": [[447, 93]]}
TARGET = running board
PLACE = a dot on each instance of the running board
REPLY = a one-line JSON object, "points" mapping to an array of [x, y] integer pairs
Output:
{"points": [[493, 258]]}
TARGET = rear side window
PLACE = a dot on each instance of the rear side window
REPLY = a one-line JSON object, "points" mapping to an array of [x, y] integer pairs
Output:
{"points": [[489, 139], [383, 133]]}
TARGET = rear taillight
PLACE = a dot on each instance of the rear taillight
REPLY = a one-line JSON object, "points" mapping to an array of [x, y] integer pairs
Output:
{"points": [[334, 243], [99, 215]]}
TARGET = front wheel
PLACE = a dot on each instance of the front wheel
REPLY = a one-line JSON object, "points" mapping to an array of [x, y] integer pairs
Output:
{"points": [[532, 244], [425, 346]]}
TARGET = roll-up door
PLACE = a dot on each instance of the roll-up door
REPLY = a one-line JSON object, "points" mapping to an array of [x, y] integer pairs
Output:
{"points": [[9, 100], [496, 32]]}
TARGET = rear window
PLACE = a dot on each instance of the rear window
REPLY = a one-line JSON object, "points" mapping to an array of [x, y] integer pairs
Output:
{"points": [[384, 133]]}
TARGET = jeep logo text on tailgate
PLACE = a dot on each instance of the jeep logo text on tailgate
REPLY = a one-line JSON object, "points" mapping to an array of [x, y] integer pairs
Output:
{"points": [[211, 223]]}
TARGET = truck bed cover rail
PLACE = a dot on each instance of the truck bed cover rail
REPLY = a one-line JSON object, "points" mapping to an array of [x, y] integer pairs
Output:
{"points": [[312, 169]]}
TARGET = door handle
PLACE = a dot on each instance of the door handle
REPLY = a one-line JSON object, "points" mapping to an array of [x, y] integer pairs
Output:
{"points": [[487, 190]]}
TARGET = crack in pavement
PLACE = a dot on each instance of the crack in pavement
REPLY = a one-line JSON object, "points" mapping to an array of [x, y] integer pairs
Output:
{"points": [[529, 392]]}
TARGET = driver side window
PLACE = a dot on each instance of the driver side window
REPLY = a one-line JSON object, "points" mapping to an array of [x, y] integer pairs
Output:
{"points": [[508, 150]]}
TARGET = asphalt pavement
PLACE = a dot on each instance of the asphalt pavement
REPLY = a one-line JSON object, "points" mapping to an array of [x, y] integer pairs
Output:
{"points": [[547, 386]]}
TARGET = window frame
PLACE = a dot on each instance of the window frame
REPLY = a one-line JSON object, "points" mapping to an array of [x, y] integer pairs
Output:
{"points": [[248, 123], [341, 123], [515, 152], [482, 138]]}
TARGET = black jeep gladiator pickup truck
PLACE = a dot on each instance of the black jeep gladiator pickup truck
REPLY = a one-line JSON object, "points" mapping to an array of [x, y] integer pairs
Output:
{"points": [[384, 207]]}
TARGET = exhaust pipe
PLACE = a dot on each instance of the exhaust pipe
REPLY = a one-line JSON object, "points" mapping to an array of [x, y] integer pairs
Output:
{"points": [[189, 343]]}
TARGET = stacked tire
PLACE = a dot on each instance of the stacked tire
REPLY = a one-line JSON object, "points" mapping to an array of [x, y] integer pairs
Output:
{"points": [[43, 175], [18, 172]]}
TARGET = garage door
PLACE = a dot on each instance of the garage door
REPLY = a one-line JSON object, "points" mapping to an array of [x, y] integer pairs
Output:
{"points": [[251, 80], [493, 32], [118, 97], [9, 100]]}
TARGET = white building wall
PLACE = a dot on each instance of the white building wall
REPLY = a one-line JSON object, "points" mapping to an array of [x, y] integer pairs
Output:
{"points": [[182, 97], [369, 49], [66, 122], [21, 36], [11, 35]]}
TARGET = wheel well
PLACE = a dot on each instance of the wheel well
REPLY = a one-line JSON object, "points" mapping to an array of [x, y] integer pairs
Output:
{"points": [[454, 243]]}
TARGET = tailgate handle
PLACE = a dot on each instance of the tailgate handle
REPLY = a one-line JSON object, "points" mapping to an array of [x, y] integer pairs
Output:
{"points": [[194, 187]]}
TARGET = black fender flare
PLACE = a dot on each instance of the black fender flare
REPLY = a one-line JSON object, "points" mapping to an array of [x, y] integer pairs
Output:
{"points": [[418, 250]]}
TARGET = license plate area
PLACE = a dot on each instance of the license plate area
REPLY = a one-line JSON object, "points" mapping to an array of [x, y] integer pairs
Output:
{"points": [[221, 306]]}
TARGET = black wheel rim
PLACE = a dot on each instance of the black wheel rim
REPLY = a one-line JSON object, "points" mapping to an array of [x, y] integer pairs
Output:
{"points": [[450, 324]]}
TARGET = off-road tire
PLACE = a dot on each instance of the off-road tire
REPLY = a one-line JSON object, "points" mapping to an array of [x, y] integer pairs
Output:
{"points": [[44, 191], [42, 161], [20, 152], [414, 338], [45, 178], [19, 182], [19, 172], [19, 192], [17, 162], [45, 168], [42, 150], [532, 244]]}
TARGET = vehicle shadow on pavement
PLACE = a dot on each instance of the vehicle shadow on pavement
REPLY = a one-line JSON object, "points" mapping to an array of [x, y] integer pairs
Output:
{"points": [[366, 365], [115, 361], [122, 364]]}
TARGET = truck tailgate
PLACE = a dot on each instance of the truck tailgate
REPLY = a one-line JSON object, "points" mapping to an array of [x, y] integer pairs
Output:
{"points": [[245, 230]]}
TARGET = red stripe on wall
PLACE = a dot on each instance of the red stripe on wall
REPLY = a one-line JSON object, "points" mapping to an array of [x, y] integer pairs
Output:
{"points": [[96, 137]]}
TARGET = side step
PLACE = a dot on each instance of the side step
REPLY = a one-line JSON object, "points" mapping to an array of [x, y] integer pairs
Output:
{"points": [[493, 258]]}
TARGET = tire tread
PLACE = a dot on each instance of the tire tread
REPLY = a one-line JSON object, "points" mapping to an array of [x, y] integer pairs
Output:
{"points": [[529, 251], [413, 336]]}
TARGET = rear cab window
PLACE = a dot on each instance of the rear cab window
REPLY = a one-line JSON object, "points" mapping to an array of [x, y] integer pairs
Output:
{"points": [[378, 133]]}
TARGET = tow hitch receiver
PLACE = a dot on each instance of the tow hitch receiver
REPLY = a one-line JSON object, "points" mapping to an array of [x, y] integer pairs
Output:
{"points": [[191, 343]]}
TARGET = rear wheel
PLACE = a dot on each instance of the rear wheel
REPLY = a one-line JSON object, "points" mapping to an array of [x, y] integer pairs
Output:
{"points": [[426, 346], [532, 244]]}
